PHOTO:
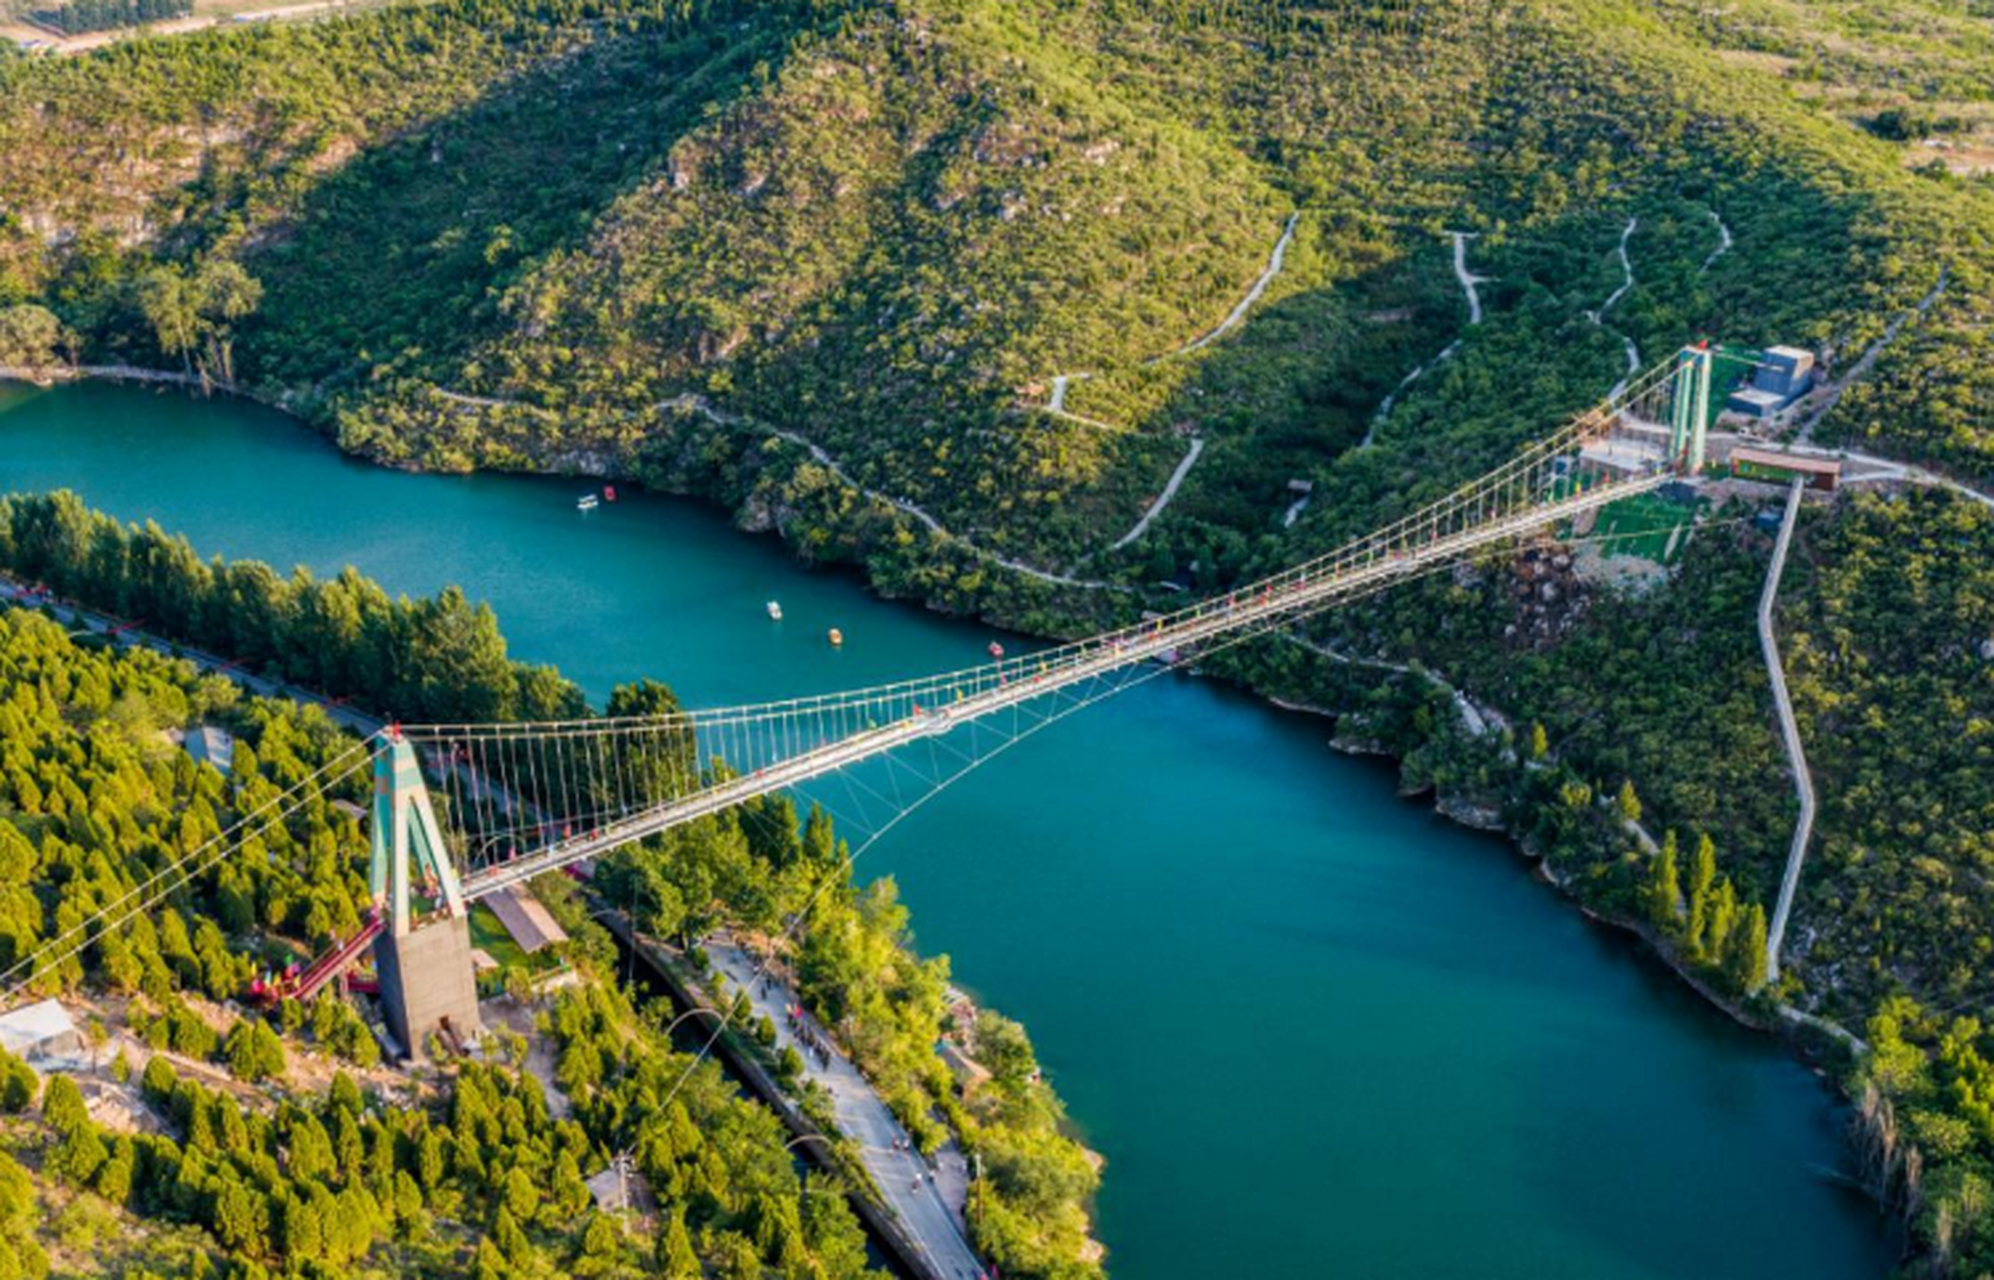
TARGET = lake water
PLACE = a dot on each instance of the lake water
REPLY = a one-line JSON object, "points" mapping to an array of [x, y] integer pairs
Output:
{"points": [[1315, 1030]]}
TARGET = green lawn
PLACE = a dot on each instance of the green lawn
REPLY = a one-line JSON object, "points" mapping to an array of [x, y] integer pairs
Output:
{"points": [[489, 934], [1644, 525]]}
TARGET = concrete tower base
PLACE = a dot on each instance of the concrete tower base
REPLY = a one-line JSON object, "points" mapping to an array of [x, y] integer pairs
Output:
{"points": [[427, 984]]}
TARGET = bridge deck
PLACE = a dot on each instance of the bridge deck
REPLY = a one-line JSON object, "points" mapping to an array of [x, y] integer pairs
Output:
{"points": [[1366, 565]]}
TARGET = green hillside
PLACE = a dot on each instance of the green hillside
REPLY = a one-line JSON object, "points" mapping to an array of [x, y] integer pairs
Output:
{"points": [[575, 215], [945, 290]]}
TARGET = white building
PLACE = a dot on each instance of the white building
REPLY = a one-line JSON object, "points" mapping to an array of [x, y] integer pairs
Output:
{"points": [[209, 745], [42, 1035]]}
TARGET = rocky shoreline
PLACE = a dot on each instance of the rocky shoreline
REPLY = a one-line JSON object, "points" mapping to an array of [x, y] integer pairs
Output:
{"points": [[1800, 1029]]}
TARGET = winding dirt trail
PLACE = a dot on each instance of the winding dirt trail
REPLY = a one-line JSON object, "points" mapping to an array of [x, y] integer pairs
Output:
{"points": [[1156, 508], [1598, 317], [1467, 278], [1724, 242], [1275, 261], [44, 376], [694, 403], [1867, 361], [33, 39], [1056, 403], [1468, 281]]}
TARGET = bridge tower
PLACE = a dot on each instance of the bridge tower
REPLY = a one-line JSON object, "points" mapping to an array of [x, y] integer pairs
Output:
{"points": [[1690, 409], [423, 951]]}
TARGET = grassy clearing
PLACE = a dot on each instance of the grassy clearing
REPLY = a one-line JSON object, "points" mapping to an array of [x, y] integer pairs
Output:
{"points": [[488, 934], [1647, 526]]}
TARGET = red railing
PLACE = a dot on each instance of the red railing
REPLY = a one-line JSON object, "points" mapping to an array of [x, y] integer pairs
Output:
{"points": [[306, 983]]}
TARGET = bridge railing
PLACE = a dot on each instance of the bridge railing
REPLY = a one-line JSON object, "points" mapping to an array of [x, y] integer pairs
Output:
{"points": [[790, 750], [519, 789], [527, 798], [1527, 481]]}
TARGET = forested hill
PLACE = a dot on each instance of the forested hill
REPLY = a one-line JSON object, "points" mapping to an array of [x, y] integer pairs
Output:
{"points": [[489, 232]]}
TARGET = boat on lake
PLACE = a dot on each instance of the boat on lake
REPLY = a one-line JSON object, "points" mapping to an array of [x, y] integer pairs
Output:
{"points": [[836, 637], [775, 611], [587, 502]]}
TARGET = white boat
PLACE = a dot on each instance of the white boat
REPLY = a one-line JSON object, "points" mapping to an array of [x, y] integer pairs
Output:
{"points": [[775, 611], [587, 502]]}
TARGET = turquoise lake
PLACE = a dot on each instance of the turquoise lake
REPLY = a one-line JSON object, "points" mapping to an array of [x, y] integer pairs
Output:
{"points": [[1315, 1030]]}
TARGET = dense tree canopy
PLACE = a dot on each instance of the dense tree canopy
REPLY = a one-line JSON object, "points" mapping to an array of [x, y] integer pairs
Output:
{"points": [[438, 659], [94, 799]]}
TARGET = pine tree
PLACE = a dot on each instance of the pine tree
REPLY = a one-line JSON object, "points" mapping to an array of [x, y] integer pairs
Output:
{"points": [[1723, 919], [407, 1201], [431, 1161], [1702, 874], [1664, 887], [238, 1218], [675, 1255], [158, 1081], [1630, 804], [1745, 965], [234, 1130], [344, 1094], [304, 1230], [18, 1083], [522, 1196], [569, 1193], [512, 1241], [601, 1242], [309, 1147], [488, 1264], [62, 1107], [737, 1257], [114, 1178], [351, 1223], [78, 1156], [18, 1249]]}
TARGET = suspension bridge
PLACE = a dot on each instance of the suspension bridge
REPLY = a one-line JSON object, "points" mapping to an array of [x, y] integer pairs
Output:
{"points": [[462, 811]]}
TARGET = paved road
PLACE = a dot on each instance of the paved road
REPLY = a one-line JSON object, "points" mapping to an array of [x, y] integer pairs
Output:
{"points": [[931, 1214], [1789, 729], [32, 38]]}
